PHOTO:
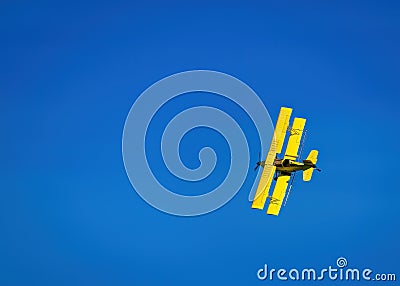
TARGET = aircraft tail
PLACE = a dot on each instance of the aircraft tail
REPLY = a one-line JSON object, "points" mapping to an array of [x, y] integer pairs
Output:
{"points": [[311, 159]]}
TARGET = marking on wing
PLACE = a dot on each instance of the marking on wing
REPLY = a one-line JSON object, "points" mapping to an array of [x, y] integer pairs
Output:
{"points": [[278, 195]]}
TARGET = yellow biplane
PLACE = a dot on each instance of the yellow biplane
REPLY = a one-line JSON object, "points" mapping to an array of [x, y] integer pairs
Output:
{"points": [[286, 168]]}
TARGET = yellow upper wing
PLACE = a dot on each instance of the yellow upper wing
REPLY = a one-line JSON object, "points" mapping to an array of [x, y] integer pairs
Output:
{"points": [[281, 128], [275, 148], [295, 138], [263, 187], [278, 195]]}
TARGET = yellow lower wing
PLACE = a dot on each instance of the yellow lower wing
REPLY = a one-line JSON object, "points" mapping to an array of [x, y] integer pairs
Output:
{"points": [[278, 195], [295, 138]]}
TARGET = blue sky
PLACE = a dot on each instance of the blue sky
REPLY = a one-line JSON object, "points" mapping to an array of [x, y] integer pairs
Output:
{"points": [[70, 72]]}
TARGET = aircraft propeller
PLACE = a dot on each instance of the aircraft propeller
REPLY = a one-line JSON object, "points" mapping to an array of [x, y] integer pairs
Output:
{"points": [[259, 160]]}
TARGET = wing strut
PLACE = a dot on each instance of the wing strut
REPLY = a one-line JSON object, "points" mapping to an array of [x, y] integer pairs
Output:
{"points": [[294, 175]]}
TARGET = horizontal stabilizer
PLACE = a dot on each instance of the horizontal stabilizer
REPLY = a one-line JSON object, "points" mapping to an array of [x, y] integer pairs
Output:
{"points": [[312, 158], [307, 174]]}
